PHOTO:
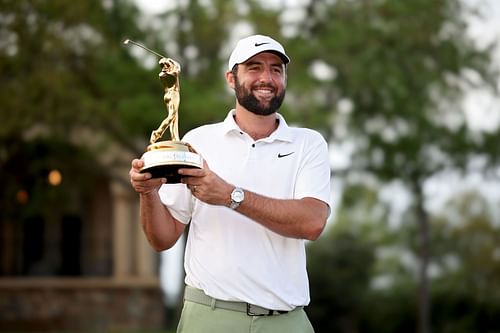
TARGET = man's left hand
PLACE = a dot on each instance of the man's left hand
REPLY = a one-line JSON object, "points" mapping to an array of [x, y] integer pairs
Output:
{"points": [[206, 185]]}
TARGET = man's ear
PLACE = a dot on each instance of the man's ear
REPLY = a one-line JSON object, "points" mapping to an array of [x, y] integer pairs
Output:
{"points": [[230, 79]]}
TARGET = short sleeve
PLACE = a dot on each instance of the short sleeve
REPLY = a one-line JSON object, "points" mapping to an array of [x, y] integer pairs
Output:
{"points": [[178, 200], [314, 174]]}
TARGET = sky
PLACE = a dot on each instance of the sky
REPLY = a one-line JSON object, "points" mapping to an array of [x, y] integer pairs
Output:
{"points": [[482, 113], [482, 109]]}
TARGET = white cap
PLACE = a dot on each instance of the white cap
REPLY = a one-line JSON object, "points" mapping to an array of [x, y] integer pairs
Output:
{"points": [[252, 45]]}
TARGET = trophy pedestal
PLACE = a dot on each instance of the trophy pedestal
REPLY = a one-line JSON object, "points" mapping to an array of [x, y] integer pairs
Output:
{"points": [[163, 159]]}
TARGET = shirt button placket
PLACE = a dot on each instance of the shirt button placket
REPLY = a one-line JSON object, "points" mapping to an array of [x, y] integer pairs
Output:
{"points": [[253, 151]]}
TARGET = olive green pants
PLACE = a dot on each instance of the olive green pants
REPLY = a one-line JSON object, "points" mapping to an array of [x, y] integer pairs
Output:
{"points": [[198, 318]]}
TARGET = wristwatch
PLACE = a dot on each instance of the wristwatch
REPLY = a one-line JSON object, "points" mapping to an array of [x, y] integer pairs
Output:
{"points": [[237, 197]]}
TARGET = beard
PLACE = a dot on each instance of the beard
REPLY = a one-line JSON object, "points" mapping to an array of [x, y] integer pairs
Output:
{"points": [[251, 103]]}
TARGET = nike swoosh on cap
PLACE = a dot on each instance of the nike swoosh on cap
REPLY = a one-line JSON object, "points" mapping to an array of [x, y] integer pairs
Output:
{"points": [[260, 44]]}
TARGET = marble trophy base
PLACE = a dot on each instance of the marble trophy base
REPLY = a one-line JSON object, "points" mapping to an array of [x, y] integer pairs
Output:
{"points": [[163, 159]]}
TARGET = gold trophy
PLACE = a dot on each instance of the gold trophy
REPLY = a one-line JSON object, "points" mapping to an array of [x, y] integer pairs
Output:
{"points": [[165, 158]]}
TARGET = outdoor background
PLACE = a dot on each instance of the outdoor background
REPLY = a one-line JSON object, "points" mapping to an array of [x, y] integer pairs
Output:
{"points": [[405, 92]]}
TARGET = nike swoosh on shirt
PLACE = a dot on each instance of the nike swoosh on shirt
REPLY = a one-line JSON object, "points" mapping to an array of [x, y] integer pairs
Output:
{"points": [[280, 155]]}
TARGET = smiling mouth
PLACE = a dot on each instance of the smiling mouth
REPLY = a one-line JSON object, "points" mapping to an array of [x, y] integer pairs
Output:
{"points": [[264, 92]]}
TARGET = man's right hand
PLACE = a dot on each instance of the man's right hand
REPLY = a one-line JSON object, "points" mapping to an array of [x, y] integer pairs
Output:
{"points": [[142, 182], [161, 229]]}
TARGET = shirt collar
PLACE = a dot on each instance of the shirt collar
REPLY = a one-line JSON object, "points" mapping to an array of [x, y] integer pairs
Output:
{"points": [[282, 133]]}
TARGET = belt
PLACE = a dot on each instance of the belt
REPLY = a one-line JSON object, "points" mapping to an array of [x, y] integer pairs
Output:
{"points": [[198, 296]]}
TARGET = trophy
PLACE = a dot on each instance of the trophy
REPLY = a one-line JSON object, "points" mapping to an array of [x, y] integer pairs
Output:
{"points": [[165, 158]]}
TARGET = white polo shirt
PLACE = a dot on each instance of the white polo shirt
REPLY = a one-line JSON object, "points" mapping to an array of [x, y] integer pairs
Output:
{"points": [[230, 256]]}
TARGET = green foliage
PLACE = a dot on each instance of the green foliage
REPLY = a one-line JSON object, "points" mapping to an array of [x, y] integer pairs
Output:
{"points": [[339, 269], [389, 311], [363, 271], [64, 68], [196, 47], [466, 248], [201, 46], [465, 293], [404, 67]]}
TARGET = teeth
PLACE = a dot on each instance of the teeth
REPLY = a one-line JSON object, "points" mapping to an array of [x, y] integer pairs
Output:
{"points": [[264, 93]]}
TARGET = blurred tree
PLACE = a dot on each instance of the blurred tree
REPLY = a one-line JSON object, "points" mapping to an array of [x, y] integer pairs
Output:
{"points": [[465, 267], [69, 96], [340, 271], [199, 34], [467, 287], [373, 262], [63, 69], [194, 33], [389, 77]]}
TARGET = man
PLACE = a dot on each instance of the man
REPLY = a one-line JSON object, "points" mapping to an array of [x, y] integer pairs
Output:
{"points": [[264, 190]]}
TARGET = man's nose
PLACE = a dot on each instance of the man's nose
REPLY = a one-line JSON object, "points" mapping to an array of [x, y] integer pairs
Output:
{"points": [[266, 75]]}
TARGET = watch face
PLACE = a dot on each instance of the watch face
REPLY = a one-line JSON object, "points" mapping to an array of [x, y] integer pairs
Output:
{"points": [[237, 195]]}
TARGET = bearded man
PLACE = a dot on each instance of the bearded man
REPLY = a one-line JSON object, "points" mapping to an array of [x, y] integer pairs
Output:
{"points": [[263, 192]]}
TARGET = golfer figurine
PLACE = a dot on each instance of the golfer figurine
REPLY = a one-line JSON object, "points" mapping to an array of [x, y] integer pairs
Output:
{"points": [[169, 77]]}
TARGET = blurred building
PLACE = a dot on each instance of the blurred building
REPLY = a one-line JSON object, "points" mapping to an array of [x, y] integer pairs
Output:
{"points": [[72, 253]]}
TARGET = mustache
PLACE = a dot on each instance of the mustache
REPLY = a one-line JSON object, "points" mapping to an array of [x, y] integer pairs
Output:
{"points": [[265, 85]]}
